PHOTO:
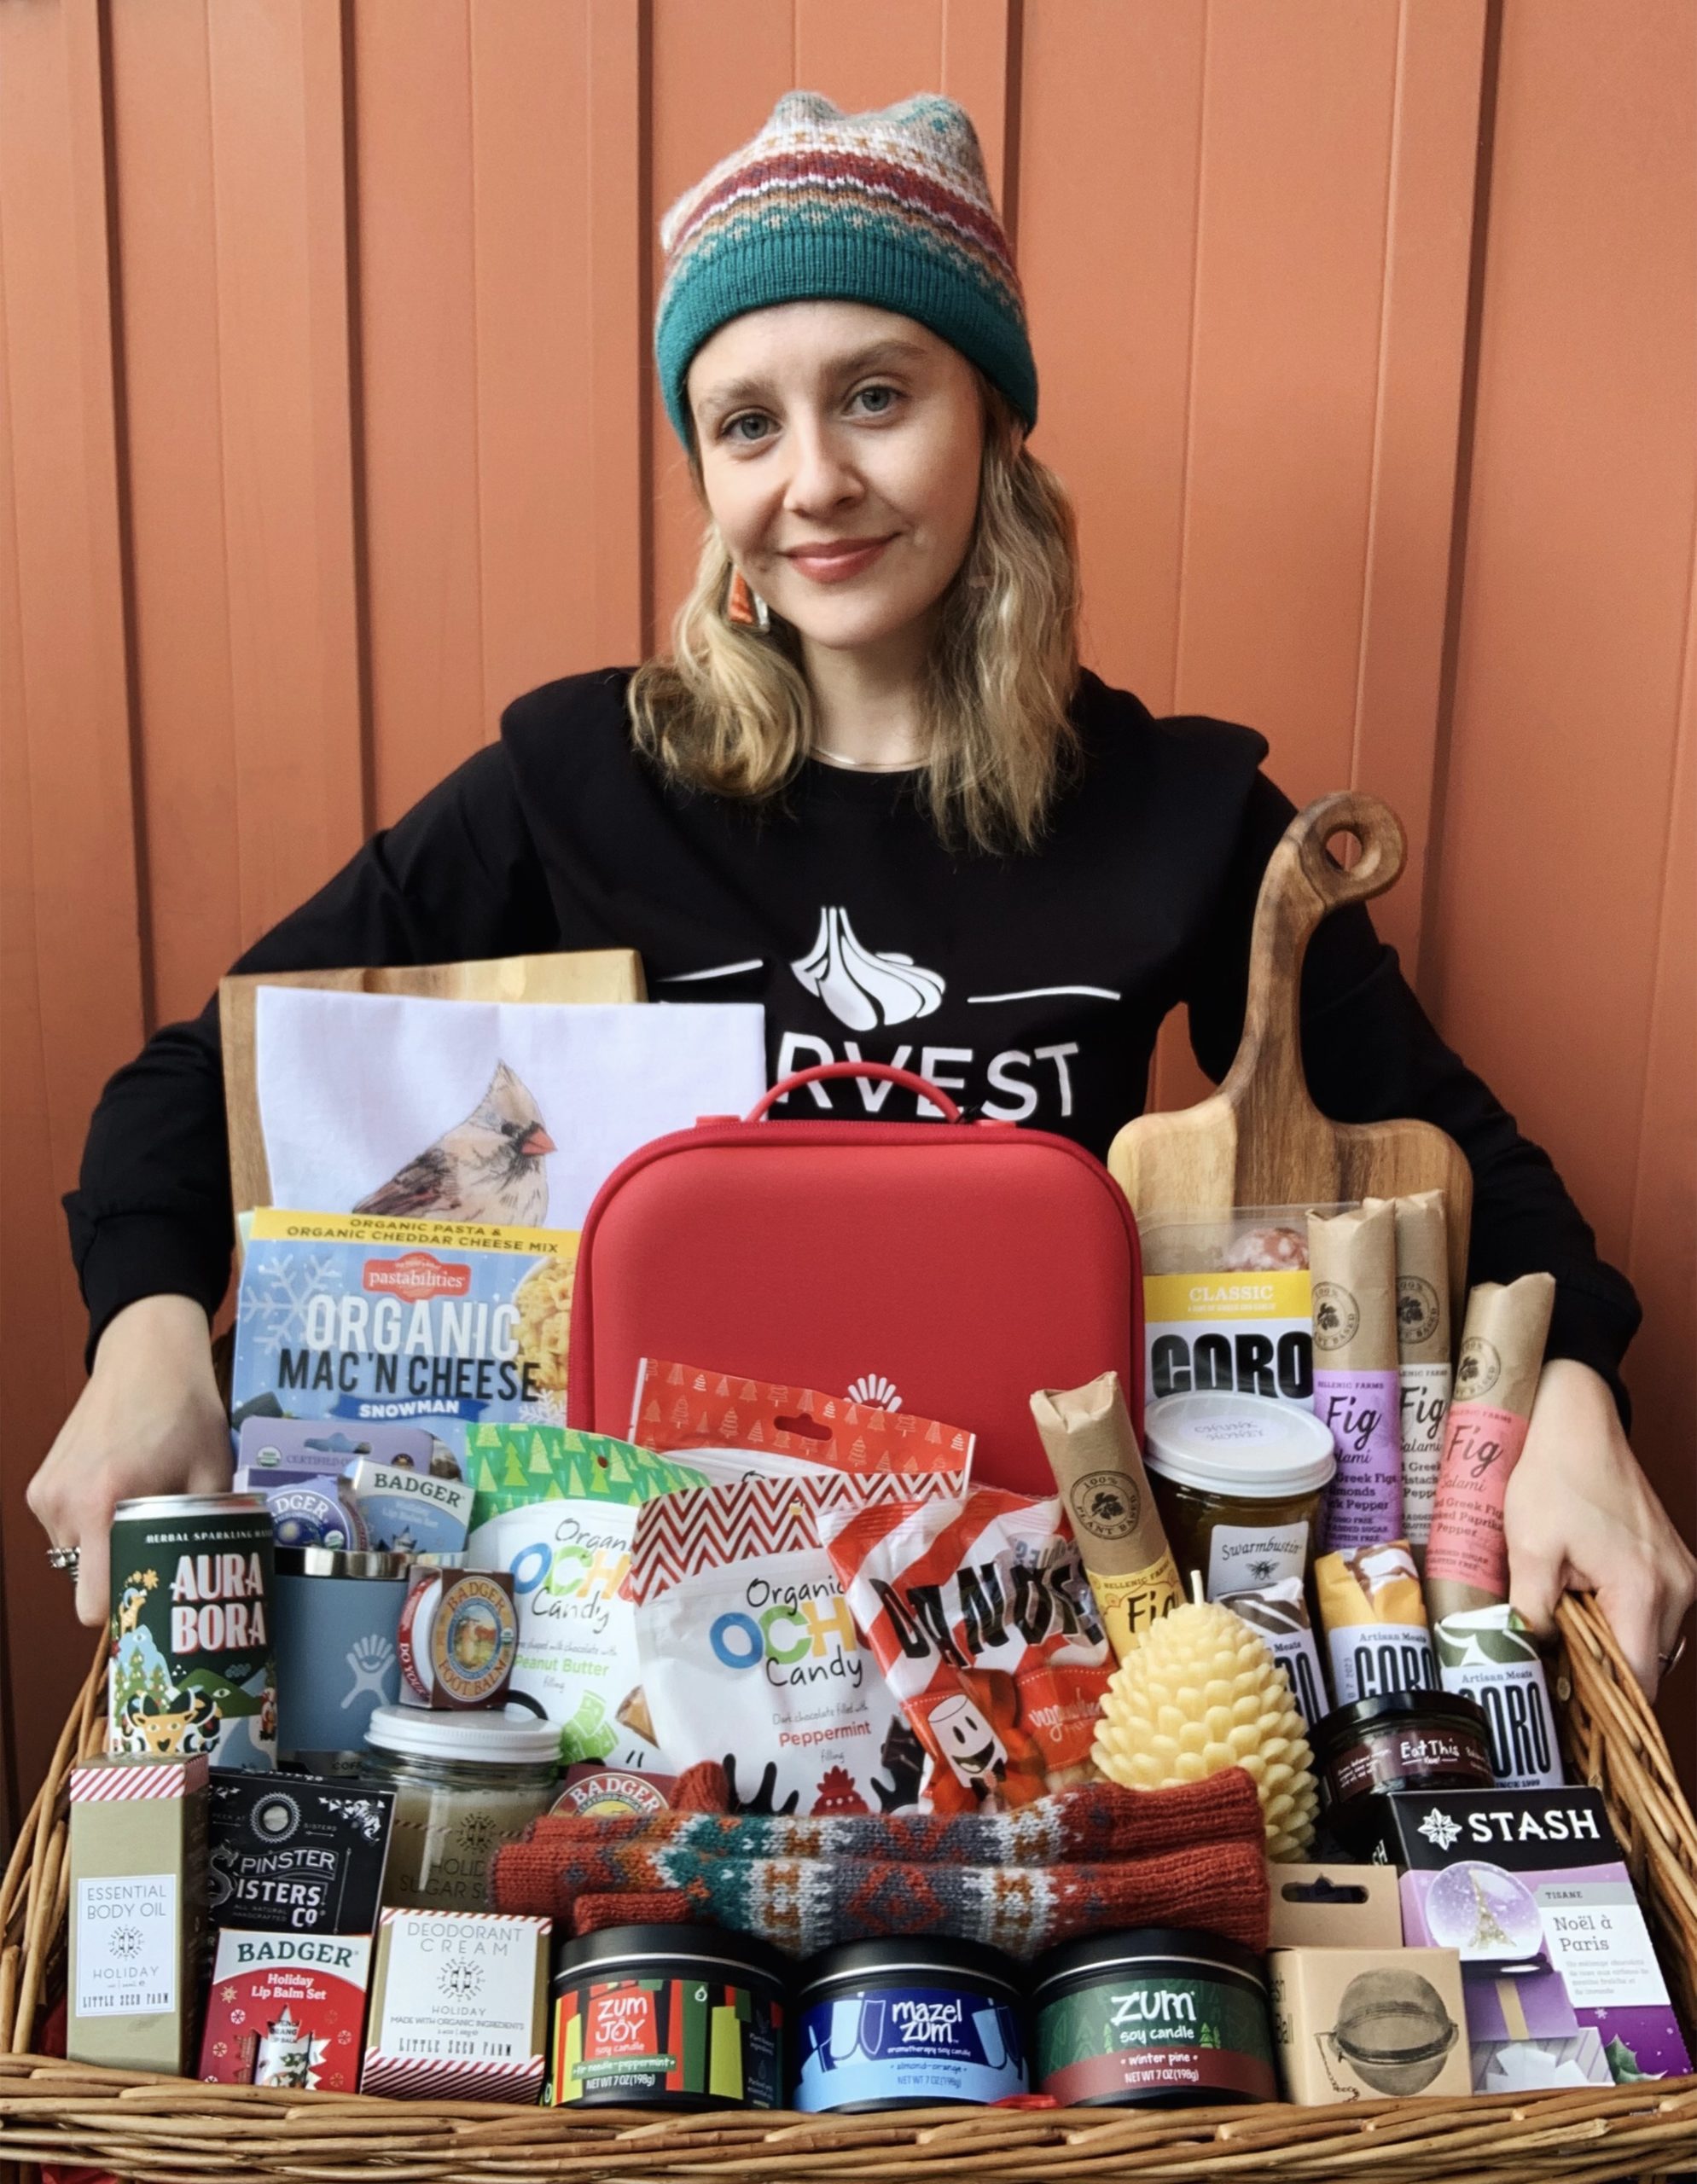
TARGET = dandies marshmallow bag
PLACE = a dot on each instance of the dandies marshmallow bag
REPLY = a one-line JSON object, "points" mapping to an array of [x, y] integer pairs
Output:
{"points": [[750, 1656], [982, 1616]]}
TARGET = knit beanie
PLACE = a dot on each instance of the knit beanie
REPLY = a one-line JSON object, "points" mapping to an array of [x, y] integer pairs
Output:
{"points": [[891, 208]]}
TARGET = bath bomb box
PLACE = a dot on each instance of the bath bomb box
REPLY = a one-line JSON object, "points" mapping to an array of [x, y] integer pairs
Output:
{"points": [[1559, 1970]]}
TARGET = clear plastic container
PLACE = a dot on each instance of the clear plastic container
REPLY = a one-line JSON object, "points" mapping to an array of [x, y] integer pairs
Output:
{"points": [[464, 1784]]}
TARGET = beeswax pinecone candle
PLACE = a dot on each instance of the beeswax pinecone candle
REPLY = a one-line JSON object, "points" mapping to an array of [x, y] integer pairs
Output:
{"points": [[1202, 1692]]}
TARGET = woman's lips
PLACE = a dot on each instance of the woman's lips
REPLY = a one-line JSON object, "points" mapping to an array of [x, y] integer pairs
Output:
{"points": [[835, 564]]}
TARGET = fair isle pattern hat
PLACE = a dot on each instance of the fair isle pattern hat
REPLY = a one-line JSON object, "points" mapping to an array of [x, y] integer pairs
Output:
{"points": [[891, 208]]}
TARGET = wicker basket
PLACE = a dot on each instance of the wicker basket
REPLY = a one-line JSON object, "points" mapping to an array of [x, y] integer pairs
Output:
{"points": [[169, 2131]]}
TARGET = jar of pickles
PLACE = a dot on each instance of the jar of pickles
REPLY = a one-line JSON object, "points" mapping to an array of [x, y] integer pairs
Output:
{"points": [[464, 1785]]}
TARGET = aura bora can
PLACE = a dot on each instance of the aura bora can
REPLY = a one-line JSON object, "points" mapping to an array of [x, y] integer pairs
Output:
{"points": [[191, 1668]]}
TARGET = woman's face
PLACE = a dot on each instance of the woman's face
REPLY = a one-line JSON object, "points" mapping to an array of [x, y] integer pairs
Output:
{"points": [[839, 449]]}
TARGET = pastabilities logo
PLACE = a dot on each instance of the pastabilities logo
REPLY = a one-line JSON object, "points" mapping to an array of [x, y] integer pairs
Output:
{"points": [[416, 1274]]}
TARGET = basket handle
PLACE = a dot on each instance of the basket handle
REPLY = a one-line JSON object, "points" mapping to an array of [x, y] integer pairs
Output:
{"points": [[885, 1073]]}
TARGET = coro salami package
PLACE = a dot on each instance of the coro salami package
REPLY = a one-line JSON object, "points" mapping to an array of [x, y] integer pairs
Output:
{"points": [[749, 1653], [1226, 1303], [681, 1408], [982, 1617]]}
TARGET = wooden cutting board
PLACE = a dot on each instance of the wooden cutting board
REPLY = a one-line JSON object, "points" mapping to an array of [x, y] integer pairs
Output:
{"points": [[1260, 1139]]}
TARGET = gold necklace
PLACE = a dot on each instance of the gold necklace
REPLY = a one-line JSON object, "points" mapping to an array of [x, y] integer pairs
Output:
{"points": [[864, 766]]}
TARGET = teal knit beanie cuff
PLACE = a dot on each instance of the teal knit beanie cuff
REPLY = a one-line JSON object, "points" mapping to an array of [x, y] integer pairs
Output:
{"points": [[891, 208]]}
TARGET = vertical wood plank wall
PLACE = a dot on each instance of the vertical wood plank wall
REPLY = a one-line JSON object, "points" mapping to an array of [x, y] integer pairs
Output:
{"points": [[1366, 331]]}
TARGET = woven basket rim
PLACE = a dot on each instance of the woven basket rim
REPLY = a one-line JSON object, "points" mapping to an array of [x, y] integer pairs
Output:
{"points": [[157, 2129]]}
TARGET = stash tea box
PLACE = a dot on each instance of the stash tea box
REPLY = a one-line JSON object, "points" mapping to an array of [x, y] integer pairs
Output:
{"points": [[286, 2010], [459, 2006], [137, 1910], [296, 1853], [1560, 1978]]}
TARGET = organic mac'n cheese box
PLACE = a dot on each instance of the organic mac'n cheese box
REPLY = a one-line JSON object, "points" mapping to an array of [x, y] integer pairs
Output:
{"points": [[443, 1325]]}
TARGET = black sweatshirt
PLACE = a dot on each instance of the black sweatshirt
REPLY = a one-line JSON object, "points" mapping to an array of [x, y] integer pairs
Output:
{"points": [[1030, 986]]}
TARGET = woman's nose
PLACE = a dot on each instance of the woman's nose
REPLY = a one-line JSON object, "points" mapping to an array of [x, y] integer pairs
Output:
{"points": [[822, 479]]}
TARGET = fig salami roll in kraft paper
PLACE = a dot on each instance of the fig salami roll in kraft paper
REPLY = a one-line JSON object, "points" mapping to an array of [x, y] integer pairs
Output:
{"points": [[1496, 1377], [1358, 1387], [1422, 1352], [1092, 1450]]}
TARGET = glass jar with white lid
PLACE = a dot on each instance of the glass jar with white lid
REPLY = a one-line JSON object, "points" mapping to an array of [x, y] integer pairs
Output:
{"points": [[465, 1784]]}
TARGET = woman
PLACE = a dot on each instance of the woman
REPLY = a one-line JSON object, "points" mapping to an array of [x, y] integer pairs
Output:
{"points": [[873, 790]]}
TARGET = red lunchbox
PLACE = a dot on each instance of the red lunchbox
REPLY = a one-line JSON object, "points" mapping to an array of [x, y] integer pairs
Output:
{"points": [[944, 1268]]}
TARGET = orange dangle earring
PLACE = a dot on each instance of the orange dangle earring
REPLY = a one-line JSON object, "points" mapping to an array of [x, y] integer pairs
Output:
{"points": [[744, 609]]}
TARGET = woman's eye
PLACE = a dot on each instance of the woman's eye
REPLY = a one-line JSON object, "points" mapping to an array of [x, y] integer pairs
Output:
{"points": [[749, 428], [879, 400]]}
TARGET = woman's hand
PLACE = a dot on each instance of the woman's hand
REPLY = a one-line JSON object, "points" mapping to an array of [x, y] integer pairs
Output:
{"points": [[149, 1421], [1580, 1516]]}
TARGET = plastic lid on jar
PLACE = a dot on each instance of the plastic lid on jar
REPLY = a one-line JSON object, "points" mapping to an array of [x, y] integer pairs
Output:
{"points": [[1252, 1448], [508, 1736]]}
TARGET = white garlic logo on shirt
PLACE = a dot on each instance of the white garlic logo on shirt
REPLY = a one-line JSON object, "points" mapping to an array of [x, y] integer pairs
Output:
{"points": [[861, 987]]}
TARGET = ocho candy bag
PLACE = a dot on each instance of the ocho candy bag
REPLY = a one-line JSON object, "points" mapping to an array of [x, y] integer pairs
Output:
{"points": [[983, 1621]]}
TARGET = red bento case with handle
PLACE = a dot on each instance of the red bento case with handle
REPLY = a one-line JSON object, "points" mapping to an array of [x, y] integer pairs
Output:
{"points": [[947, 1267]]}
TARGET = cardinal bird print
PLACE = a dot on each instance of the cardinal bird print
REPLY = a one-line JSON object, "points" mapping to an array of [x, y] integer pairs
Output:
{"points": [[487, 1168]]}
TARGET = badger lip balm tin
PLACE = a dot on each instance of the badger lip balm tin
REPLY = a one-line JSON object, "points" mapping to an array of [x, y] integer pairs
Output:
{"points": [[908, 2021], [1158, 2017], [667, 2017], [191, 1667]]}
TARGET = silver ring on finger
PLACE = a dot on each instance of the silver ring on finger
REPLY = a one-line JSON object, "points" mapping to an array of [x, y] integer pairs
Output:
{"points": [[68, 1559], [1671, 1660]]}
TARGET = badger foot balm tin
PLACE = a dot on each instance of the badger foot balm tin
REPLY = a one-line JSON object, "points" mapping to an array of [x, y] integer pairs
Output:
{"points": [[667, 2017], [192, 1668], [1160, 2017]]}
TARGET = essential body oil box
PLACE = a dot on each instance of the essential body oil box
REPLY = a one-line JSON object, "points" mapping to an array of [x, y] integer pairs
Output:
{"points": [[137, 1910]]}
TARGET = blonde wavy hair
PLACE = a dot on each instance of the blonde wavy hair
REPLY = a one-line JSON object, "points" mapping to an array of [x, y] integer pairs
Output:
{"points": [[729, 710]]}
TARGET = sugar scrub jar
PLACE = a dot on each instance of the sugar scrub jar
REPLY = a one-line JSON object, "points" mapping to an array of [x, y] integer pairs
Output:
{"points": [[1158, 2017], [911, 2021], [464, 1784], [667, 2017], [1239, 1481]]}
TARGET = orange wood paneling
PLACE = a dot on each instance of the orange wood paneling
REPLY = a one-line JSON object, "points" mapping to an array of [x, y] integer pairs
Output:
{"points": [[331, 427], [1558, 955], [70, 981]]}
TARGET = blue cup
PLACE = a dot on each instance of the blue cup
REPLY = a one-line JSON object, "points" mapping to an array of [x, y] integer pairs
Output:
{"points": [[336, 1616]]}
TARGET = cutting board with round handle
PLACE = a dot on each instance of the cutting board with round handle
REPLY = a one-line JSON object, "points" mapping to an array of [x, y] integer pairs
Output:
{"points": [[1260, 1139]]}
